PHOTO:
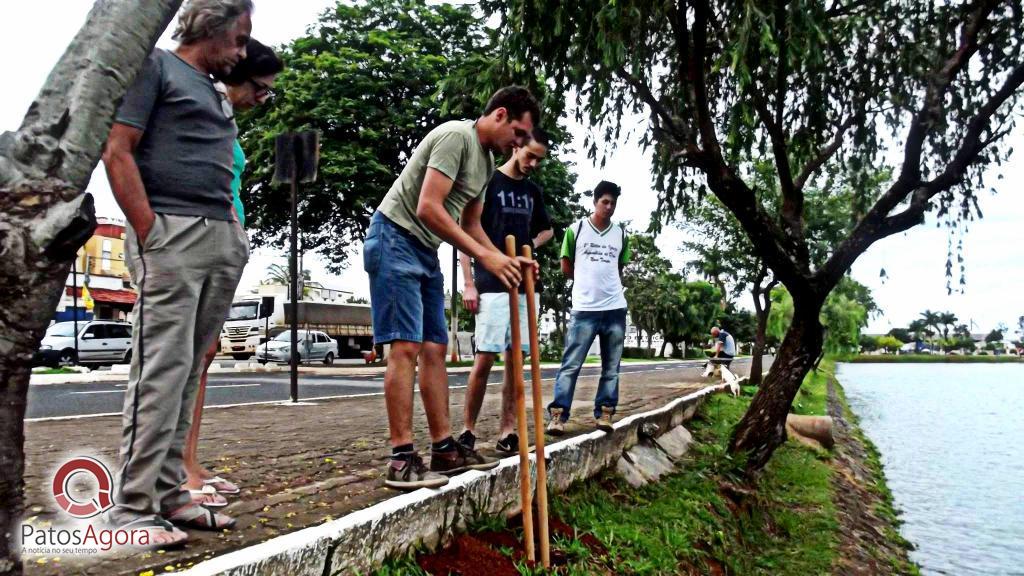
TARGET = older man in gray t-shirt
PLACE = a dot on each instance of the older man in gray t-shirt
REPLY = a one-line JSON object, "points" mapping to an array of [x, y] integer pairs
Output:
{"points": [[169, 158]]}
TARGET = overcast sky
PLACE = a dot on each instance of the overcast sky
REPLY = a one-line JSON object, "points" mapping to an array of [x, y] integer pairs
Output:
{"points": [[34, 34]]}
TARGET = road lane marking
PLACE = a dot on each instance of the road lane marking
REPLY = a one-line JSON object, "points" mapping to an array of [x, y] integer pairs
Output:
{"points": [[335, 397]]}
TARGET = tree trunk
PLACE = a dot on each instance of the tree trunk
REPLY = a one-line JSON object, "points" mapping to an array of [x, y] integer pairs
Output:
{"points": [[763, 427], [663, 344], [757, 355], [45, 218], [762, 309]]}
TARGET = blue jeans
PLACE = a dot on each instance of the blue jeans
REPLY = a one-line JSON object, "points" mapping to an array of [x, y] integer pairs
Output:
{"points": [[610, 326], [406, 285]]}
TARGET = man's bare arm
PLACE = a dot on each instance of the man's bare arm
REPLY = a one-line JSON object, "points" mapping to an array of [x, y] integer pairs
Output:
{"points": [[470, 223], [543, 238], [125, 179], [430, 210], [567, 270], [470, 296]]}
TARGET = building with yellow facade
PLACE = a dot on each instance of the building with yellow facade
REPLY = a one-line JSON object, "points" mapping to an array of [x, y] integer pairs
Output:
{"points": [[100, 266]]}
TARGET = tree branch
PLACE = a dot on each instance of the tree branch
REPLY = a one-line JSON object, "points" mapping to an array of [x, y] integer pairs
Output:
{"points": [[63, 133], [765, 234], [841, 10], [680, 132], [792, 200], [877, 225], [932, 108], [823, 156]]}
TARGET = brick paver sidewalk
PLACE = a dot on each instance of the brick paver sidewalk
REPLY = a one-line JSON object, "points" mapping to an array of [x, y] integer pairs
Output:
{"points": [[297, 465]]}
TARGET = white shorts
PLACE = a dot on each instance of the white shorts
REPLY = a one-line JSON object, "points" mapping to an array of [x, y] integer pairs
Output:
{"points": [[493, 330]]}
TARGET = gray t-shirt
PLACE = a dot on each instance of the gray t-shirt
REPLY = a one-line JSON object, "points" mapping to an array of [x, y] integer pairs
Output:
{"points": [[185, 154], [454, 149]]}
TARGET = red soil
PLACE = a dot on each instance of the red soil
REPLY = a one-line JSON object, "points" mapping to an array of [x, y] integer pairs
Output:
{"points": [[478, 554]]}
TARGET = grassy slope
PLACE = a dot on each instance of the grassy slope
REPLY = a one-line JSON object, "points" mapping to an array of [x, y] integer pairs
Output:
{"points": [[702, 520]]}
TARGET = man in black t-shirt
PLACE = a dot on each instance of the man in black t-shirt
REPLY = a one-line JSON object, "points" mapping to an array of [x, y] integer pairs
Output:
{"points": [[513, 205]]}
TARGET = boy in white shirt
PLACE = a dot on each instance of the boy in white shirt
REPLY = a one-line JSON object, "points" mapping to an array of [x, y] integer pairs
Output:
{"points": [[593, 253]]}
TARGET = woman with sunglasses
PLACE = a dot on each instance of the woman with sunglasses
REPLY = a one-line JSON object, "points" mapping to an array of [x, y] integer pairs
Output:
{"points": [[250, 84]]}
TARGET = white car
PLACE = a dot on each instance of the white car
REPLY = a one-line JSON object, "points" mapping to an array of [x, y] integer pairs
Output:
{"points": [[99, 342], [313, 345]]}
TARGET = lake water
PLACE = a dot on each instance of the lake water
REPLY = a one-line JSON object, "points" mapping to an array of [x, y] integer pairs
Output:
{"points": [[952, 442]]}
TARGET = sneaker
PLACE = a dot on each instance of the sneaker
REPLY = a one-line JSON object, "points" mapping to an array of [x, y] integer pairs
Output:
{"points": [[409, 473], [508, 445], [604, 421], [460, 459], [555, 426], [467, 439]]}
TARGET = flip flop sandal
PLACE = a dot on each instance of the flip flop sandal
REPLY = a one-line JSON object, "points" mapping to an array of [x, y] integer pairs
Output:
{"points": [[157, 527], [208, 496], [221, 485], [200, 518]]}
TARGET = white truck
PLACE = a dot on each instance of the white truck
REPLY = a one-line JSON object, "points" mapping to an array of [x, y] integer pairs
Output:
{"points": [[255, 319]]}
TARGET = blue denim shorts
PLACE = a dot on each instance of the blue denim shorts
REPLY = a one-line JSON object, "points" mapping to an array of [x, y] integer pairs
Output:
{"points": [[406, 285]]}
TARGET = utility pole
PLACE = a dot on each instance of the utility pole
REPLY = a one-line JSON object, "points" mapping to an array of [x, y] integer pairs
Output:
{"points": [[74, 296], [455, 308]]}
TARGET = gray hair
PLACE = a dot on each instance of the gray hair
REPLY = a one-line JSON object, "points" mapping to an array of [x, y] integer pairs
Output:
{"points": [[202, 19]]}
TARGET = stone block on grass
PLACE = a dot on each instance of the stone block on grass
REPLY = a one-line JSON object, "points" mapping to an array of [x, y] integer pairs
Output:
{"points": [[649, 461], [676, 442]]}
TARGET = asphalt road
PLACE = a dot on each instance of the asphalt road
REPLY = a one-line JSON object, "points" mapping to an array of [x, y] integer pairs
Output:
{"points": [[84, 399]]}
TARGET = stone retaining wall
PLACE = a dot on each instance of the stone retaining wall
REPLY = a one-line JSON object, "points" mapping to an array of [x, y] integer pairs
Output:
{"points": [[362, 540]]}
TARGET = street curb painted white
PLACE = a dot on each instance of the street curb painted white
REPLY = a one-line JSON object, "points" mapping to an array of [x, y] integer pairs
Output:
{"points": [[363, 539]]}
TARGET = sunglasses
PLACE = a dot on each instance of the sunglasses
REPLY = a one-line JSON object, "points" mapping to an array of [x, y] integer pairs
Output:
{"points": [[262, 89]]}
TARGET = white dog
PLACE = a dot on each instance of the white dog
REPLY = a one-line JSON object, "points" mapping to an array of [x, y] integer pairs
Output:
{"points": [[727, 376]]}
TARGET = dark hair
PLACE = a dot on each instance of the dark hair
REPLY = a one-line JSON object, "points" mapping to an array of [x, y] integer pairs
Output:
{"points": [[259, 60], [517, 100], [540, 137], [605, 187]]}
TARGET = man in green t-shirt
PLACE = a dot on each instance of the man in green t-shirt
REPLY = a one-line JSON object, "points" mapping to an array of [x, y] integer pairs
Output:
{"points": [[438, 197], [594, 251]]}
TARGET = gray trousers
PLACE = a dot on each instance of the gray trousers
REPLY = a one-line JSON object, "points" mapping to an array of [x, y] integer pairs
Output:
{"points": [[186, 274]]}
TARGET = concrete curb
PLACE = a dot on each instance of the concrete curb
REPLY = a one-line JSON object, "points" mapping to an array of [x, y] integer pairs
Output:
{"points": [[363, 539]]}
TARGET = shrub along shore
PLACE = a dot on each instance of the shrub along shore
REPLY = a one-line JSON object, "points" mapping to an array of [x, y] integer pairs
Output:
{"points": [[812, 511]]}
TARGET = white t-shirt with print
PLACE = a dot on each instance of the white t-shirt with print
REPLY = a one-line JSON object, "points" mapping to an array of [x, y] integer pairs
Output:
{"points": [[596, 257]]}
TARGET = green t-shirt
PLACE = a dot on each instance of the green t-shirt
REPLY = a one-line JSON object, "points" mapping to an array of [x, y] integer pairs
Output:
{"points": [[238, 166], [454, 149]]}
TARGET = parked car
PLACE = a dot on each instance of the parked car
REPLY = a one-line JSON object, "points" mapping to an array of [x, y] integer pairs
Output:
{"points": [[312, 345], [99, 342]]}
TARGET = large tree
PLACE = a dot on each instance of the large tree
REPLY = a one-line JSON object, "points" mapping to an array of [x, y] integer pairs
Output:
{"points": [[374, 78], [822, 87], [366, 76], [44, 216]]}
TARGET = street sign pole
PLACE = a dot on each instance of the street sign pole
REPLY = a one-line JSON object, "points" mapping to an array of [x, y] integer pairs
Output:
{"points": [[295, 160]]}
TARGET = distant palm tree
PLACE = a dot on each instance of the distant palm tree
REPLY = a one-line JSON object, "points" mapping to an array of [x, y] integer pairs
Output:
{"points": [[931, 319], [947, 320], [920, 329], [278, 274]]}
